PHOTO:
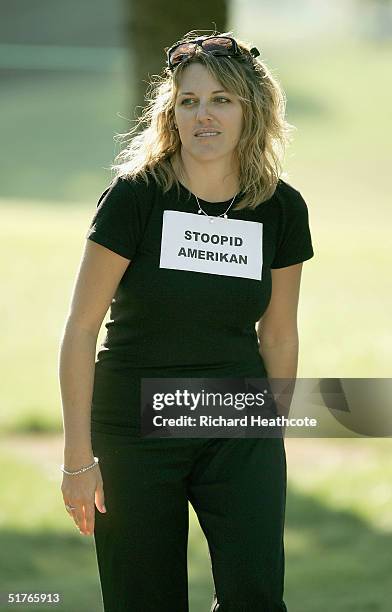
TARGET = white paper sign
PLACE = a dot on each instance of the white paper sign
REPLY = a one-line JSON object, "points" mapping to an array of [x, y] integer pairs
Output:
{"points": [[227, 247]]}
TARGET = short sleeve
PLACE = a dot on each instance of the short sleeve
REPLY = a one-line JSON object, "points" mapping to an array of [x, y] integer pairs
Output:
{"points": [[294, 243], [116, 222]]}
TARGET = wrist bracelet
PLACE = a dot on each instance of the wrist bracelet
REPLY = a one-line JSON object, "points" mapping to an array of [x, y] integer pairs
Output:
{"points": [[83, 469]]}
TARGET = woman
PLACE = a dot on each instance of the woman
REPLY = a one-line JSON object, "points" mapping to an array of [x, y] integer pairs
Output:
{"points": [[211, 148]]}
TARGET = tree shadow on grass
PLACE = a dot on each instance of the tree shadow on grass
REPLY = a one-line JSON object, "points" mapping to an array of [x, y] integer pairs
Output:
{"points": [[337, 561], [334, 561], [50, 562]]}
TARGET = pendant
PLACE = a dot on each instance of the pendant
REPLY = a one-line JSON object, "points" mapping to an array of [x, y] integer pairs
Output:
{"points": [[199, 212], [225, 216]]}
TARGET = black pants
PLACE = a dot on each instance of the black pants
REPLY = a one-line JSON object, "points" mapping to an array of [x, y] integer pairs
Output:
{"points": [[237, 487]]}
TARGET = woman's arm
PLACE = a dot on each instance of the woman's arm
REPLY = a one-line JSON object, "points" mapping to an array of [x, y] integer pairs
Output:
{"points": [[76, 373], [277, 329], [98, 277]]}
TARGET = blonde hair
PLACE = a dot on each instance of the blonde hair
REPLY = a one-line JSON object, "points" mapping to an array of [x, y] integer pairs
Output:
{"points": [[262, 144]]}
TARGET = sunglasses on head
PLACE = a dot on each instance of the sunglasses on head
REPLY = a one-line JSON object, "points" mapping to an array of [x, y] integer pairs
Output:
{"points": [[224, 46]]}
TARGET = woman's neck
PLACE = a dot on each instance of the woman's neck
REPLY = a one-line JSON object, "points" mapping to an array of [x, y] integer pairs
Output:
{"points": [[207, 185]]}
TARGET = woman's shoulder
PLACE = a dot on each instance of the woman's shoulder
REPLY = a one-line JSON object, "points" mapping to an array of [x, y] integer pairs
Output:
{"points": [[139, 188], [289, 198], [284, 188], [142, 179]]}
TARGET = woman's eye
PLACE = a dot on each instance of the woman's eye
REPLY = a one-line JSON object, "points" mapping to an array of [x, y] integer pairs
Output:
{"points": [[217, 98]]}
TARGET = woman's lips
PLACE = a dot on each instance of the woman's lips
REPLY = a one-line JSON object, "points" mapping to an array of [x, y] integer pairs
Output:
{"points": [[207, 135]]}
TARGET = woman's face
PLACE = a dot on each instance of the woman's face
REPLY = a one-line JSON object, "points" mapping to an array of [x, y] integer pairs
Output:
{"points": [[202, 104]]}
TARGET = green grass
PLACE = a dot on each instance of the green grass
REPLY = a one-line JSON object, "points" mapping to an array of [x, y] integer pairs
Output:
{"points": [[66, 123], [42, 550], [338, 529]]}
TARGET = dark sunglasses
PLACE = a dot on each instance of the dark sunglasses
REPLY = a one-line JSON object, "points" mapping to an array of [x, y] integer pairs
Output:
{"points": [[216, 45]]}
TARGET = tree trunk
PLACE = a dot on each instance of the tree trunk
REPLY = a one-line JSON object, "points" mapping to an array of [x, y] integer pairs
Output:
{"points": [[151, 25]]}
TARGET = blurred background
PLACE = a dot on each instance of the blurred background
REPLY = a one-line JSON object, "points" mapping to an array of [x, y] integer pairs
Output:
{"points": [[72, 76]]}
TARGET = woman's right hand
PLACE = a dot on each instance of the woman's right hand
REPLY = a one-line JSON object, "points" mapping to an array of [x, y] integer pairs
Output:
{"points": [[84, 491]]}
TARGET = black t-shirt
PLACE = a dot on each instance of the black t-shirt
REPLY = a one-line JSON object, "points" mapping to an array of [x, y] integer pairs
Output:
{"points": [[180, 323]]}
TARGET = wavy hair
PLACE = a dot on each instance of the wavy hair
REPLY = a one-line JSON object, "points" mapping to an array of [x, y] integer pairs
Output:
{"points": [[262, 144]]}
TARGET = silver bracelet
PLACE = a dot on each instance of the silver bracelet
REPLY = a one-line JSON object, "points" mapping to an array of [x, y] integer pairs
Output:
{"points": [[83, 469]]}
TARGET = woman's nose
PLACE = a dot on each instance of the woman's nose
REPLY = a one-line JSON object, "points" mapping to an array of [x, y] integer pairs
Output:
{"points": [[203, 111]]}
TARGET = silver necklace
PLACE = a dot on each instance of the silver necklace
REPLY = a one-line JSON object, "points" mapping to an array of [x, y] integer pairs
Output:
{"points": [[224, 215]]}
